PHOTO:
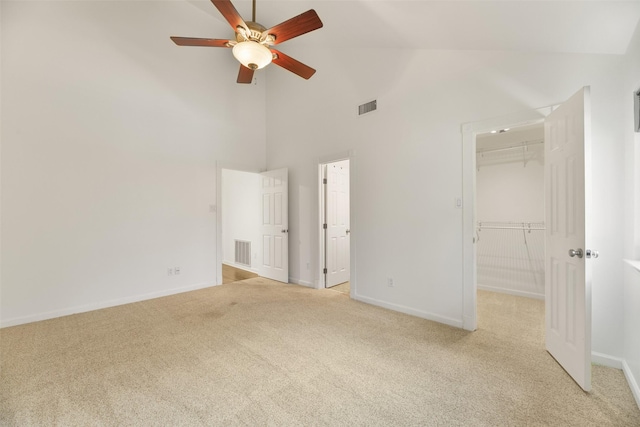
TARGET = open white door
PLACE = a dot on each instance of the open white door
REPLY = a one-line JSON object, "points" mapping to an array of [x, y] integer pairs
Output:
{"points": [[337, 221], [567, 273], [275, 225]]}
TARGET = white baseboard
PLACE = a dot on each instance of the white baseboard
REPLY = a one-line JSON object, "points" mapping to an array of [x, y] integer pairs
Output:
{"points": [[618, 363], [301, 282], [240, 267], [469, 323], [632, 381], [97, 306], [606, 360], [511, 292], [408, 310]]}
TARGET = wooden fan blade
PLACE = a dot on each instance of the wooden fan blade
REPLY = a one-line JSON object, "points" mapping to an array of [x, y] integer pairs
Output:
{"points": [[292, 65], [228, 10], [191, 41], [245, 75], [296, 26]]}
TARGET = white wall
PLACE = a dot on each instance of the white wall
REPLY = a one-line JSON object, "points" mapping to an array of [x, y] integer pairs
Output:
{"points": [[631, 358], [407, 168], [511, 192], [1, 66], [510, 184], [110, 138], [241, 214]]}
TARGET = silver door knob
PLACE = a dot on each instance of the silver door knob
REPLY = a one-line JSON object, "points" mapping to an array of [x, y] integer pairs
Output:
{"points": [[575, 252], [348, 231], [285, 231], [592, 254]]}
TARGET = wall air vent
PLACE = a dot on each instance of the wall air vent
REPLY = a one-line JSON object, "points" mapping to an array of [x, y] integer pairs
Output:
{"points": [[368, 107], [243, 252]]}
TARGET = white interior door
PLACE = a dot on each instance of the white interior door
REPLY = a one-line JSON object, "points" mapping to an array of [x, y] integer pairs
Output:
{"points": [[275, 226], [568, 278], [337, 220]]}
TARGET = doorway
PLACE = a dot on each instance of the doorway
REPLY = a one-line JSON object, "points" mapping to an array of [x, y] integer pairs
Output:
{"points": [[567, 202], [239, 219], [510, 232], [469, 206], [335, 214], [253, 228]]}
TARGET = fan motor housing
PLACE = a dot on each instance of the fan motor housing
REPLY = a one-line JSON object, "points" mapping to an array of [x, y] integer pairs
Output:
{"points": [[255, 32]]}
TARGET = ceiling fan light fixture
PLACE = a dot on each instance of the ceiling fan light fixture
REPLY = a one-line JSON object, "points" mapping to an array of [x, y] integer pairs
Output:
{"points": [[252, 43], [252, 54]]}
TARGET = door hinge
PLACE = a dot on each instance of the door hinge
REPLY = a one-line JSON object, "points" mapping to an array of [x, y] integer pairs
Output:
{"points": [[324, 226], [324, 180], [324, 270]]}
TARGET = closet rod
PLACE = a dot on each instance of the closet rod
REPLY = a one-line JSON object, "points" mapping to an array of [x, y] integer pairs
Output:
{"points": [[512, 147], [489, 225], [513, 227]]}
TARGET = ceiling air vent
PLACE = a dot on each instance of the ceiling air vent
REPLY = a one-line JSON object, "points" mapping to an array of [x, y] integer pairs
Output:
{"points": [[368, 107]]}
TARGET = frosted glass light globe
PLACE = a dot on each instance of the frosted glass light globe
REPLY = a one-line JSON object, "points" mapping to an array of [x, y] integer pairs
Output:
{"points": [[252, 54]]}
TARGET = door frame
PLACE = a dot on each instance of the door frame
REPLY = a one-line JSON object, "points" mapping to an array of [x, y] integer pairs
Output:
{"points": [[324, 215], [344, 155], [469, 256]]}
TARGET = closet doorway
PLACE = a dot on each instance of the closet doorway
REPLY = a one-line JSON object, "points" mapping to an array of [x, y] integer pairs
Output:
{"points": [[335, 225], [567, 202], [510, 227]]}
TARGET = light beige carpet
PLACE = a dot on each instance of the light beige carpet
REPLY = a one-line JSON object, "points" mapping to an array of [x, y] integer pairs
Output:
{"points": [[344, 288], [232, 274], [258, 352]]}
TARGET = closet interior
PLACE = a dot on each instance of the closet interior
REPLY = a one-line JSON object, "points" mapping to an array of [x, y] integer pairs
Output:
{"points": [[510, 224]]}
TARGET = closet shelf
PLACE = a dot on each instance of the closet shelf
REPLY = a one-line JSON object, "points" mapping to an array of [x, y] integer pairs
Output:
{"points": [[524, 145], [524, 152]]}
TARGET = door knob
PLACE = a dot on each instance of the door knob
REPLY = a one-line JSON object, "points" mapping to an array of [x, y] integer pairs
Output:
{"points": [[575, 252], [348, 231], [285, 231], [592, 254]]}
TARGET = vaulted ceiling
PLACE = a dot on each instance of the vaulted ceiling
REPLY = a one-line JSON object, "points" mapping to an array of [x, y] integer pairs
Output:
{"points": [[599, 27]]}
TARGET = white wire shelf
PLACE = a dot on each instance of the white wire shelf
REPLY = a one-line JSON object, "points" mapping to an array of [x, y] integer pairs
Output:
{"points": [[524, 225]]}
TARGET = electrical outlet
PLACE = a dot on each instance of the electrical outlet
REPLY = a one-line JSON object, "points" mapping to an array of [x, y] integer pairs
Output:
{"points": [[177, 270], [170, 272], [390, 282]]}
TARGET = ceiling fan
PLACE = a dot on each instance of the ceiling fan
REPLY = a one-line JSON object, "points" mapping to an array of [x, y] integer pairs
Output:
{"points": [[253, 43]]}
